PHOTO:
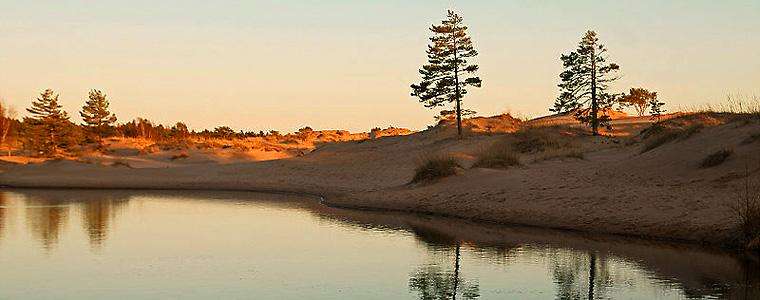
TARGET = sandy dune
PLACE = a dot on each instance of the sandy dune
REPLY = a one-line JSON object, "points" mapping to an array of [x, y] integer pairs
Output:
{"points": [[662, 193]]}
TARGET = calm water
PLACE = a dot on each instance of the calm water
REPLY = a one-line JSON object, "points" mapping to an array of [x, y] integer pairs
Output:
{"points": [[158, 245]]}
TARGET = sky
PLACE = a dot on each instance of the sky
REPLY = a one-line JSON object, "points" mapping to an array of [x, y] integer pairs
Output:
{"points": [[347, 64]]}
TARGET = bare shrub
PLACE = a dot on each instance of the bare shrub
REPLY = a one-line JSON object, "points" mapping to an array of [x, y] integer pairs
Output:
{"points": [[434, 167], [498, 155], [716, 158]]}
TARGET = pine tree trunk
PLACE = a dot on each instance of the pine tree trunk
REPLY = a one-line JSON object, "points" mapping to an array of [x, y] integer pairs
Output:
{"points": [[591, 275], [594, 104], [456, 83], [456, 273]]}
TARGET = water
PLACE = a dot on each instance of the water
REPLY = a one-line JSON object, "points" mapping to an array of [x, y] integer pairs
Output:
{"points": [[72, 244]]}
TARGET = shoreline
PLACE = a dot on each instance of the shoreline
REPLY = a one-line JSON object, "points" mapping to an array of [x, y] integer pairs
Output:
{"points": [[322, 200]]}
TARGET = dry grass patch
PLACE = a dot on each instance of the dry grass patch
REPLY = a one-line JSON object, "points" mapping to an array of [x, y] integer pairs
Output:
{"points": [[716, 158], [659, 135], [498, 155], [532, 140], [747, 210], [569, 152], [435, 167]]}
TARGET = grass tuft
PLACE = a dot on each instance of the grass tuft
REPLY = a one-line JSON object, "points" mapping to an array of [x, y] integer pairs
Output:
{"points": [[435, 167], [747, 212], [716, 158], [499, 155]]}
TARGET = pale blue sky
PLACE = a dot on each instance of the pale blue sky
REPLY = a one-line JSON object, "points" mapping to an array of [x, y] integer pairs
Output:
{"points": [[348, 64]]}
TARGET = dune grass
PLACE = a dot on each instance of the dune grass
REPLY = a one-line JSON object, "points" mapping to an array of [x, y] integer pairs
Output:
{"points": [[568, 152], [499, 155], [659, 135], [434, 167], [716, 158], [532, 140], [747, 211]]}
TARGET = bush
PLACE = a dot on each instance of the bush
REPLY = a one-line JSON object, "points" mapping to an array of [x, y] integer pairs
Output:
{"points": [[747, 212], [435, 167], [716, 158], [498, 155]]}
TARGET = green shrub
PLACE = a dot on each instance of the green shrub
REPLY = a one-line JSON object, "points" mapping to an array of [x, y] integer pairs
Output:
{"points": [[435, 167], [716, 158], [498, 155]]}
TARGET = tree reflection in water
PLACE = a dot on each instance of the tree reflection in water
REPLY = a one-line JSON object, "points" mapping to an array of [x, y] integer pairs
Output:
{"points": [[431, 282], [48, 211]]}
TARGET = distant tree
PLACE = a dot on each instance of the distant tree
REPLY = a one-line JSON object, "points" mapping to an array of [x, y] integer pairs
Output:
{"points": [[49, 125], [97, 119], [655, 108], [585, 81], [639, 99], [180, 131], [7, 121], [224, 132], [448, 73]]}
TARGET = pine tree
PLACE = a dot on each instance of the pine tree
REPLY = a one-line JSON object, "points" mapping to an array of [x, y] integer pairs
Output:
{"points": [[96, 115], [448, 73], [48, 123], [585, 81], [655, 107]]}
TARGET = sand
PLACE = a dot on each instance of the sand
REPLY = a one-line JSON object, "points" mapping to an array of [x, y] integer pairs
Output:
{"points": [[660, 194]]}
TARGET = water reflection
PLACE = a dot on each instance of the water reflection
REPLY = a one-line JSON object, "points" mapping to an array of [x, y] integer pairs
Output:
{"points": [[432, 282], [48, 211], [460, 260]]}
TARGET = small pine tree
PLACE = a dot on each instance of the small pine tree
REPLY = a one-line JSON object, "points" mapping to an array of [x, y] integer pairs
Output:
{"points": [[48, 125], [95, 114], [445, 77], [655, 108], [585, 81]]}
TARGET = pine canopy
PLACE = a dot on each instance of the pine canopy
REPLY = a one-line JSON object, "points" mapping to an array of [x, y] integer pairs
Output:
{"points": [[585, 81], [49, 122], [448, 73], [95, 111]]}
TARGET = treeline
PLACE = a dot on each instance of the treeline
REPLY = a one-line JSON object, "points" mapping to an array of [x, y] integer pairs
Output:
{"points": [[49, 131]]}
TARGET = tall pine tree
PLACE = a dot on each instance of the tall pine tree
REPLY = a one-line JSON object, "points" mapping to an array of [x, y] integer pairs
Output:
{"points": [[95, 113], [448, 73], [585, 81], [49, 123]]}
